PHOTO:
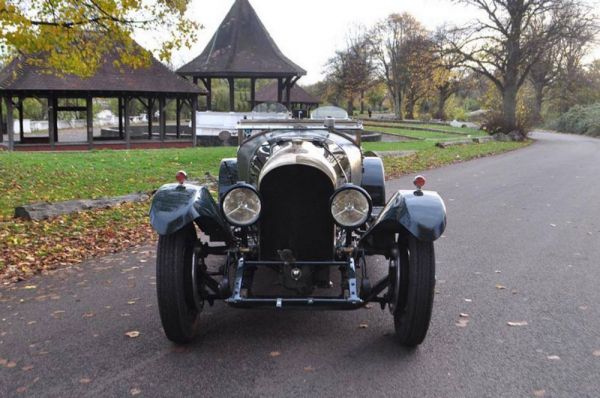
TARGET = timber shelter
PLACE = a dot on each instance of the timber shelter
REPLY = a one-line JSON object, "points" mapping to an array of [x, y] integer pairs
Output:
{"points": [[242, 48], [154, 86]]}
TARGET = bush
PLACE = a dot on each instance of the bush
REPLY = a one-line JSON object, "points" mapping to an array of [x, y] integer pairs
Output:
{"points": [[580, 120]]}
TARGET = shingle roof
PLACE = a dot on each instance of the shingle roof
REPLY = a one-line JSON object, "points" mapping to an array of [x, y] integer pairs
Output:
{"points": [[297, 95], [241, 47], [23, 75]]}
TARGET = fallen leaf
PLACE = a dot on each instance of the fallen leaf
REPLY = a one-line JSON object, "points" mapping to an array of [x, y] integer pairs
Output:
{"points": [[462, 323], [22, 389], [596, 353], [88, 315], [135, 391], [500, 287], [553, 225], [27, 368], [85, 380], [133, 334], [464, 315], [517, 323], [30, 287], [274, 354], [539, 393], [309, 369], [363, 326], [11, 364], [498, 271], [3, 361], [468, 300], [553, 357], [368, 306]]}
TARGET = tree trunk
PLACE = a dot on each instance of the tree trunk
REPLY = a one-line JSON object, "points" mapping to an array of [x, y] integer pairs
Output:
{"points": [[397, 99], [509, 108], [442, 97], [410, 110], [537, 104], [350, 107], [362, 102]]}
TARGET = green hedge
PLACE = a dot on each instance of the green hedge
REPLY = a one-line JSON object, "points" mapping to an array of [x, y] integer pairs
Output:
{"points": [[580, 120]]}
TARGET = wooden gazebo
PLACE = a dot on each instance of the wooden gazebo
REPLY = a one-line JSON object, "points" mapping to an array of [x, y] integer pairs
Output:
{"points": [[242, 48], [152, 85], [300, 99]]}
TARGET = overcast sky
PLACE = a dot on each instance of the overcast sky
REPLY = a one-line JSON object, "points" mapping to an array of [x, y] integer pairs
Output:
{"points": [[309, 31]]}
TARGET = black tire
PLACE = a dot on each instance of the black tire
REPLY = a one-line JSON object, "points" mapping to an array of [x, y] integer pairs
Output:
{"points": [[413, 312], [178, 312]]}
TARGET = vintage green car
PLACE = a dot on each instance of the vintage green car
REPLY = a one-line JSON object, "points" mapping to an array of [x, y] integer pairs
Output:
{"points": [[303, 208]]}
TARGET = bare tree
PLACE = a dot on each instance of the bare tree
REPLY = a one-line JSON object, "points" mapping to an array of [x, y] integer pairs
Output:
{"points": [[561, 60], [448, 74], [351, 70], [506, 44], [390, 38]]}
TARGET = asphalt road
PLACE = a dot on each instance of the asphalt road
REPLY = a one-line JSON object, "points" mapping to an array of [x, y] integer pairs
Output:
{"points": [[522, 245]]}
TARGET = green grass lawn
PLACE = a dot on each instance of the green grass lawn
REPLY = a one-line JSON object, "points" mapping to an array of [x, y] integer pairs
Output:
{"points": [[27, 177], [419, 134], [432, 126]]}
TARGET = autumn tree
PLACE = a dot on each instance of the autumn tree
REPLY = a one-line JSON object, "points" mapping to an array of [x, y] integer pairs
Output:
{"points": [[351, 70], [74, 35], [504, 45], [393, 40], [448, 74]]}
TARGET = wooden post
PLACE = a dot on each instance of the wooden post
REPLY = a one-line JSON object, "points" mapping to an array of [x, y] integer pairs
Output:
{"points": [[55, 120], [279, 89], [126, 122], [150, 115], [120, 106], [21, 130], [89, 113], [10, 124], [252, 93], [51, 134], [162, 118], [2, 128], [231, 94], [288, 94], [177, 116], [209, 95], [194, 106]]}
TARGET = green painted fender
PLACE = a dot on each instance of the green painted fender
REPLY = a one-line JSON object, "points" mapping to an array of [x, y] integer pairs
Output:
{"points": [[420, 213], [176, 205]]}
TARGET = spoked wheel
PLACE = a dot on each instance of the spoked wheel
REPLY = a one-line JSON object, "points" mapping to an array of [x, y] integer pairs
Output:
{"points": [[411, 290], [179, 303]]}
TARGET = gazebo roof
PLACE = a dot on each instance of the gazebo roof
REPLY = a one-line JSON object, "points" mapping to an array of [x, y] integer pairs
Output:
{"points": [[24, 76], [297, 95], [241, 47]]}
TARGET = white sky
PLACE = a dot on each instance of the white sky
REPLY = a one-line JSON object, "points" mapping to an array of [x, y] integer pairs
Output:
{"points": [[309, 31]]}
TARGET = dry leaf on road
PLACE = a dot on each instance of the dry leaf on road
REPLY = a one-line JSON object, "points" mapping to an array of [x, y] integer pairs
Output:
{"points": [[274, 354], [517, 323], [363, 326], [133, 334], [500, 287]]}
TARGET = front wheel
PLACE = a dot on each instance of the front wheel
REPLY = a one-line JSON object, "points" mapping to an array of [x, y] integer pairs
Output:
{"points": [[413, 302], [174, 285]]}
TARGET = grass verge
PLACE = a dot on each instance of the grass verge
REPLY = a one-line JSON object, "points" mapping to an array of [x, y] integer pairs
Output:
{"points": [[27, 248]]}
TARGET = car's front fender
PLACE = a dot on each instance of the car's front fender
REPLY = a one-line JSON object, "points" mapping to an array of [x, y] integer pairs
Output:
{"points": [[176, 205], [421, 213]]}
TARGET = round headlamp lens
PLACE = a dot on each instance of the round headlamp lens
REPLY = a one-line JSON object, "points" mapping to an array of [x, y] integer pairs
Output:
{"points": [[241, 206], [350, 207]]}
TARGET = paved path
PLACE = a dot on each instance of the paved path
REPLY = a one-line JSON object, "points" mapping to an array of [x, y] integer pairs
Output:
{"points": [[522, 244]]}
